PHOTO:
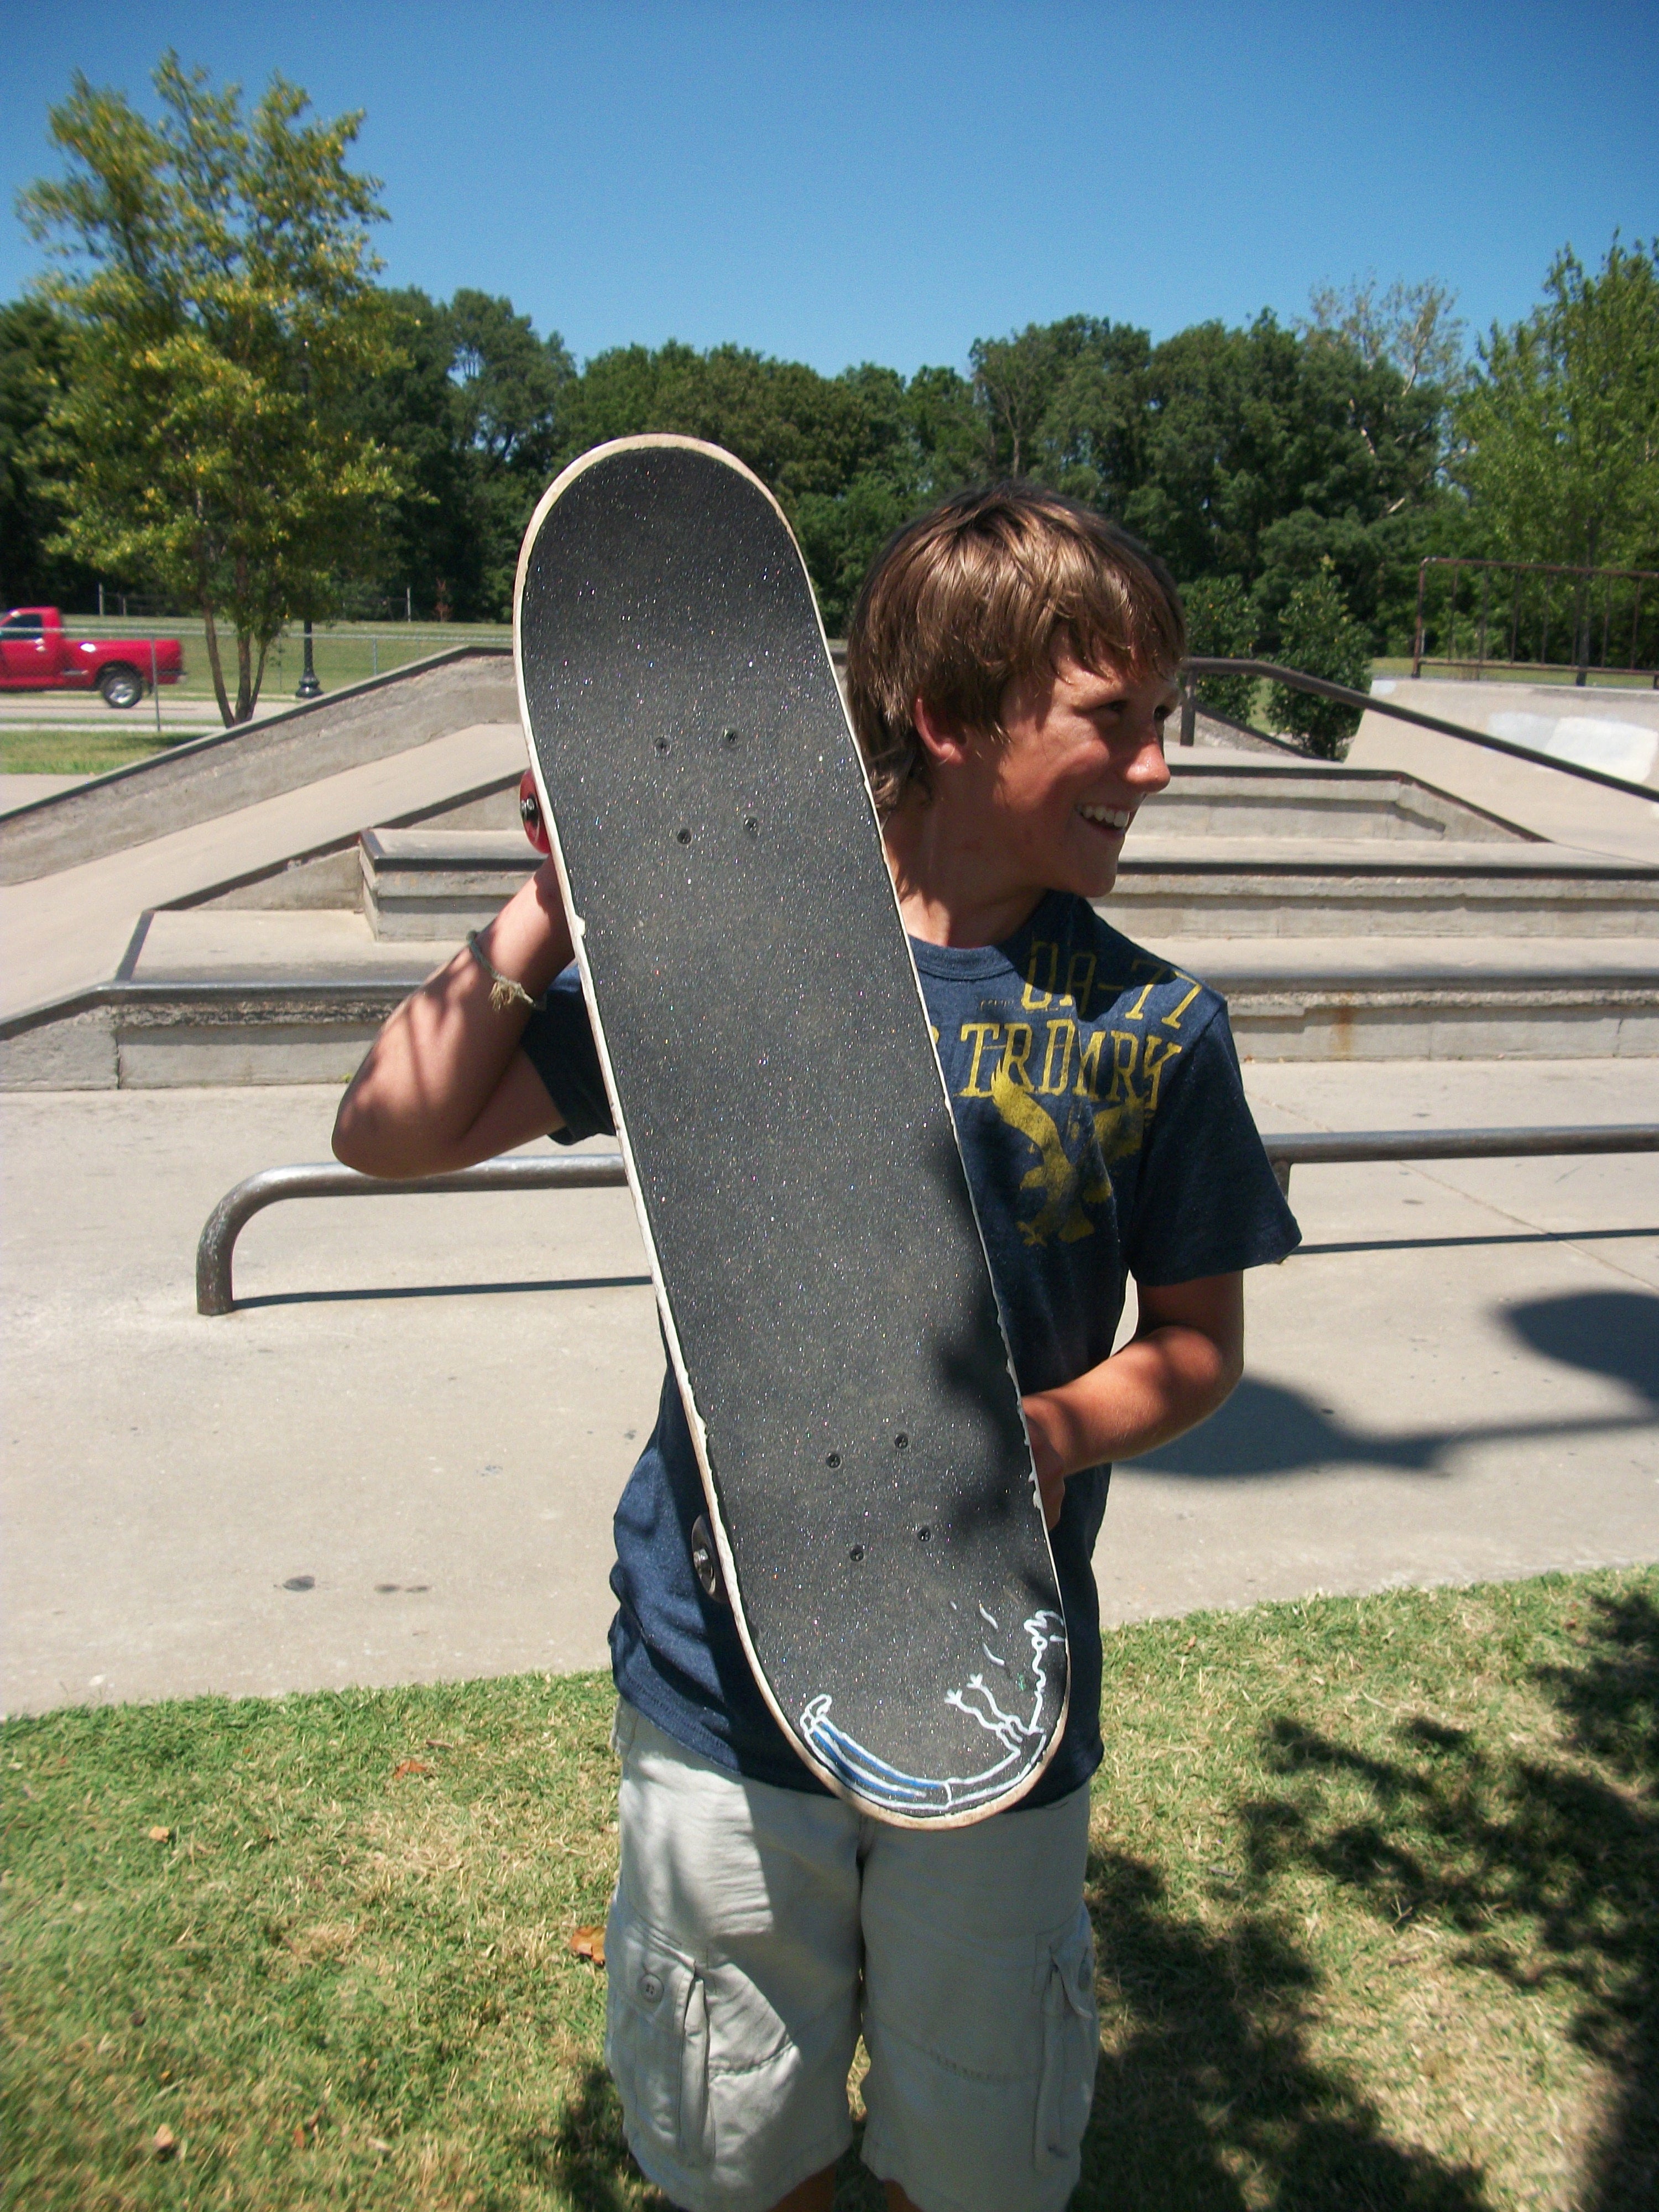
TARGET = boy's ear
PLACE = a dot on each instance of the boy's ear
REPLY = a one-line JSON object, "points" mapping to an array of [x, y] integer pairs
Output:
{"points": [[942, 741]]}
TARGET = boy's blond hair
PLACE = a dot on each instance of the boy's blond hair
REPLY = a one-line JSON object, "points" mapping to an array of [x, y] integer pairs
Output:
{"points": [[981, 594]]}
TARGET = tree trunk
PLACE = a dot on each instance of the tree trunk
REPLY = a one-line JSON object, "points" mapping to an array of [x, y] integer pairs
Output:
{"points": [[244, 675], [214, 662]]}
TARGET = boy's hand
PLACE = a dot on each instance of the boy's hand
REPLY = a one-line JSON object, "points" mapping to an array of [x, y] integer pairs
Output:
{"points": [[1181, 1362], [1046, 1427]]}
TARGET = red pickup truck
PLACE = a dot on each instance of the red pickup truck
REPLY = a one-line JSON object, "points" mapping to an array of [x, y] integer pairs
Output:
{"points": [[36, 655]]}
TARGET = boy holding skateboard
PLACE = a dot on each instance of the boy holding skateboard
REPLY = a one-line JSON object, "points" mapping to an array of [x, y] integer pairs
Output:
{"points": [[1010, 669]]}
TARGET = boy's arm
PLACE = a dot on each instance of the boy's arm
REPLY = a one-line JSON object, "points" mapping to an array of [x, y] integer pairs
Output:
{"points": [[445, 1084], [1181, 1362]]}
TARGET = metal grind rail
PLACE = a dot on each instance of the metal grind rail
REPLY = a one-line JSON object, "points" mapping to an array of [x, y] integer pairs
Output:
{"points": [[602, 1170]]}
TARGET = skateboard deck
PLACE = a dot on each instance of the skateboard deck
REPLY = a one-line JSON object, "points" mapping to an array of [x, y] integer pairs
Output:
{"points": [[822, 1283]]}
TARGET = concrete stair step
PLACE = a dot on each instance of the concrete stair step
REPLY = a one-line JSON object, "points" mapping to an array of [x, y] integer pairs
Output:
{"points": [[1414, 997], [217, 996], [435, 882], [1234, 887], [422, 883]]}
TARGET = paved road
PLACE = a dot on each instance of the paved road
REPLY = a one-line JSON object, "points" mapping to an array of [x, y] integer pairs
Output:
{"points": [[399, 1460]]}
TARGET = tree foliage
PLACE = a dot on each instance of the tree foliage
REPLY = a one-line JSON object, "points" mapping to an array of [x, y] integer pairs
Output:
{"points": [[214, 284], [1319, 636], [252, 427], [34, 368], [1561, 424], [1220, 626]]}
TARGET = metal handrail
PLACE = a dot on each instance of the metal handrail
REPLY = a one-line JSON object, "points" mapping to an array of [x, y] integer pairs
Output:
{"points": [[600, 1170], [1583, 619], [325, 1179], [1369, 703], [1322, 1147]]}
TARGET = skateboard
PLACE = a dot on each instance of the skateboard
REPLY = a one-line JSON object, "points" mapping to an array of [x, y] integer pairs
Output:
{"points": [[872, 1516]]}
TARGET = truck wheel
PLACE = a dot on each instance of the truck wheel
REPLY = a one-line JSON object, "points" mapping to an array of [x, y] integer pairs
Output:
{"points": [[121, 686]]}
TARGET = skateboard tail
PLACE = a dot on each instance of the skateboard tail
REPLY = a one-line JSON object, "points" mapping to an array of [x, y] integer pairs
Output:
{"points": [[1017, 1712]]}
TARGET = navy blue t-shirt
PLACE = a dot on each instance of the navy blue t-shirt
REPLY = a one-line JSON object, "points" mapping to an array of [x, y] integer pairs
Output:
{"points": [[1098, 1102]]}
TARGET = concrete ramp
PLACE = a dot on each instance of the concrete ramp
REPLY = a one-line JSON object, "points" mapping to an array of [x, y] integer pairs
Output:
{"points": [[1614, 732], [233, 770], [63, 933]]}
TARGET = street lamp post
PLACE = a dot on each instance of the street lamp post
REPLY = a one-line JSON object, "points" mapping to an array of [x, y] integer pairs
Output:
{"points": [[309, 687]]}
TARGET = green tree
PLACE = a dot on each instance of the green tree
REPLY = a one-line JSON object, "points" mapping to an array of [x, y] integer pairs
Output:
{"points": [[427, 537], [215, 276], [1265, 453], [1220, 626], [1561, 424], [34, 368], [506, 386], [1063, 403], [1320, 637]]}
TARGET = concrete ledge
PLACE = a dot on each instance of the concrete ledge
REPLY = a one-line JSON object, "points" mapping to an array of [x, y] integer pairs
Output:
{"points": [[1290, 999], [1232, 797], [430, 883]]}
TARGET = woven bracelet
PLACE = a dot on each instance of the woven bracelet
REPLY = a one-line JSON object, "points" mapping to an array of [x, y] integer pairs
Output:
{"points": [[505, 991]]}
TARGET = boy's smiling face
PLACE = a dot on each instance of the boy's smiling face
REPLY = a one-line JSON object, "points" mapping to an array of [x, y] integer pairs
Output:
{"points": [[1078, 754], [1045, 805]]}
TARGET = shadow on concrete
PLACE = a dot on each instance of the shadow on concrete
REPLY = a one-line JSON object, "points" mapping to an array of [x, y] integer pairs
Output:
{"points": [[1547, 1870], [1265, 1428], [1459, 1243], [440, 1290]]}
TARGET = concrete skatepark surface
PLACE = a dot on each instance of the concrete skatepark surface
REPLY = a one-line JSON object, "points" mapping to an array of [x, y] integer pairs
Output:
{"points": [[399, 1460]]}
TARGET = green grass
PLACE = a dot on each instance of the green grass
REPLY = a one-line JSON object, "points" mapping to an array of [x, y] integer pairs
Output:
{"points": [[83, 752], [1376, 1884]]}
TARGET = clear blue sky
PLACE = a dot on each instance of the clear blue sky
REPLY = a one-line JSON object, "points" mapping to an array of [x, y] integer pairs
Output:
{"points": [[836, 183]]}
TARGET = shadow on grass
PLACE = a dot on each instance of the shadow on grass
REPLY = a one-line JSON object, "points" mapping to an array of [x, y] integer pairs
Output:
{"points": [[586, 2159], [1209, 2095], [1548, 1866], [1207, 2075]]}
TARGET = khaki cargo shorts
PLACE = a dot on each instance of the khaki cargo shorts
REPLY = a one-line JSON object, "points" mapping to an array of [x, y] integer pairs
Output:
{"points": [[755, 1930]]}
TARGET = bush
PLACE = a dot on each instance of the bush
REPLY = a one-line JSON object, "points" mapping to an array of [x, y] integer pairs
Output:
{"points": [[1220, 627], [1320, 637]]}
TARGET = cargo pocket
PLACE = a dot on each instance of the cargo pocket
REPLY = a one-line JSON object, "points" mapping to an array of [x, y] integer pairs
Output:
{"points": [[656, 2038], [1071, 2047]]}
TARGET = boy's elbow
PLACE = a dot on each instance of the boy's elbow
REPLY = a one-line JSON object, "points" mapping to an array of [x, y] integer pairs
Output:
{"points": [[1229, 1372], [347, 1140], [358, 1142]]}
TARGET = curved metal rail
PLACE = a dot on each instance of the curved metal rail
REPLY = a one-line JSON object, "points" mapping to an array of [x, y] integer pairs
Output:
{"points": [[217, 1242], [599, 1171]]}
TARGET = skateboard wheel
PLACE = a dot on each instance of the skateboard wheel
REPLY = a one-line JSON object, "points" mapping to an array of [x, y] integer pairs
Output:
{"points": [[705, 1560], [530, 813]]}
